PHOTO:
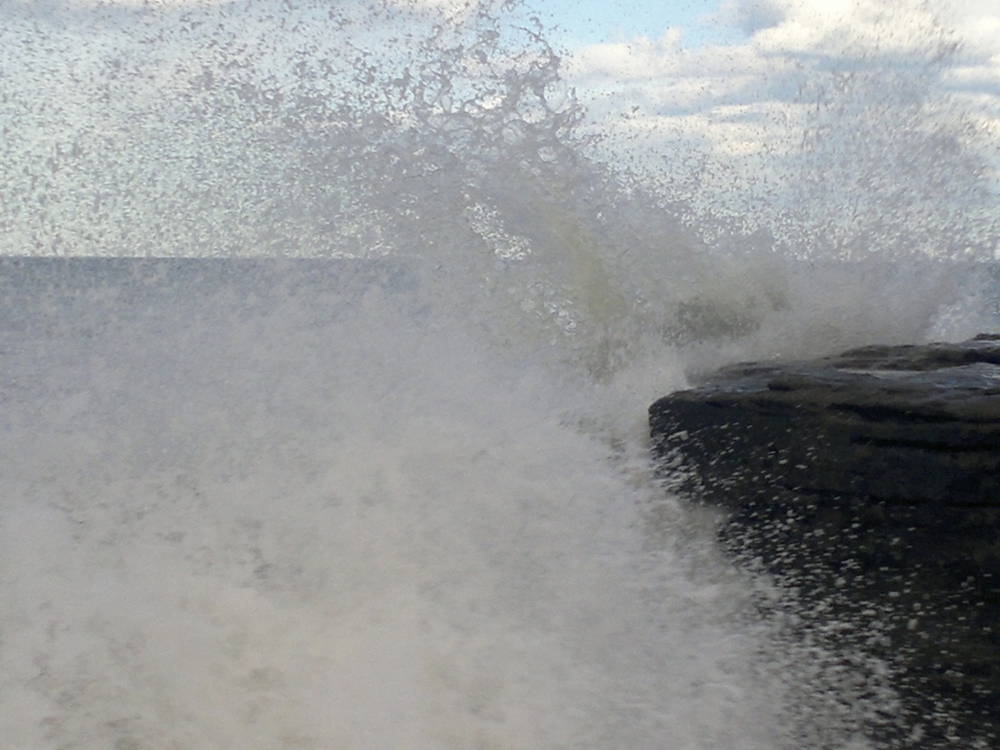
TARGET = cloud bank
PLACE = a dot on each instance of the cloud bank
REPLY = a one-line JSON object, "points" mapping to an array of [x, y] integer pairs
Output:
{"points": [[859, 97]]}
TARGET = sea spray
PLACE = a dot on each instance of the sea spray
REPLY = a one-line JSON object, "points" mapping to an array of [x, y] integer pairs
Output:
{"points": [[283, 525], [397, 494]]}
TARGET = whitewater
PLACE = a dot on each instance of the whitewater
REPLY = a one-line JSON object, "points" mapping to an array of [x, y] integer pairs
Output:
{"points": [[327, 336]]}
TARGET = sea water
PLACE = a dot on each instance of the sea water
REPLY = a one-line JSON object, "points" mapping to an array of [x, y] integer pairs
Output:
{"points": [[344, 445]]}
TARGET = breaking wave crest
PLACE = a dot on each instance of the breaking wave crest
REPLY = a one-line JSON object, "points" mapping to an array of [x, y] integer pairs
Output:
{"points": [[331, 432]]}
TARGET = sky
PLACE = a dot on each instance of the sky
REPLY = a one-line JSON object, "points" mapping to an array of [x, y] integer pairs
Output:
{"points": [[726, 63], [730, 21], [583, 22], [879, 93], [720, 94], [653, 39]]}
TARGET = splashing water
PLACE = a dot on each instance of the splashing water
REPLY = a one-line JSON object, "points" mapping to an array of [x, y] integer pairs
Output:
{"points": [[355, 457]]}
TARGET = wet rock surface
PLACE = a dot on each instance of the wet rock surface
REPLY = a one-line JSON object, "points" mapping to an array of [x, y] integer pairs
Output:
{"points": [[868, 484]]}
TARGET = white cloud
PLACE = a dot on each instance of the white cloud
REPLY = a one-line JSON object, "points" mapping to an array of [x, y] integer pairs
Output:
{"points": [[639, 58], [867, 87], [793, 34], [751, 17], [982, 37], [847, 26]]}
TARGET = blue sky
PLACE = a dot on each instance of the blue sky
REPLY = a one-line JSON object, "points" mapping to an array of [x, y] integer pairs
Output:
{"points": [[594, 21]]}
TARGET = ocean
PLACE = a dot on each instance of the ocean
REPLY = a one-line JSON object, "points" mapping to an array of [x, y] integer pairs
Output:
{"points": [[327, 335]]}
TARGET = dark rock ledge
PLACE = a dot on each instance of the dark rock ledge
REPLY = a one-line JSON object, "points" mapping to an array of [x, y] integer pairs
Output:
{"points": [[869, 483]]}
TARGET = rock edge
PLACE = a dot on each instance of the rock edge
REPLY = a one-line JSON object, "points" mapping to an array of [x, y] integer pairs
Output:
{"points": [[868, 482]]}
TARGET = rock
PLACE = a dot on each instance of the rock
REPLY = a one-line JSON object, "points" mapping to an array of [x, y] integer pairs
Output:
{"points": [[869, 483]]}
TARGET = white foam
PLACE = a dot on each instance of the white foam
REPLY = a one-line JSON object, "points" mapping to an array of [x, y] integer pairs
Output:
{"points": [[416, 552]]}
